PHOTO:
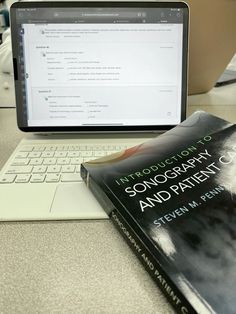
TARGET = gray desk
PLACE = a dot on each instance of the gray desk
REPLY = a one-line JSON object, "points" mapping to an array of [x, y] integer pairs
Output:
{"points": [[79, 266]]}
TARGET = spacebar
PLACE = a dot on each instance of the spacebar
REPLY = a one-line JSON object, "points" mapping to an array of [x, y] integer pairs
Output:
{"points": [[71, 177]]}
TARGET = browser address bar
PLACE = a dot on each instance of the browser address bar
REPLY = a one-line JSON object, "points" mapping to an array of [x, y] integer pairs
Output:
{"points": [[100, 14]]}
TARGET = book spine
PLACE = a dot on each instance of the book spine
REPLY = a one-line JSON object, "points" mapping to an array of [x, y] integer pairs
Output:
{"points": [[175, 297], [99, 194]]}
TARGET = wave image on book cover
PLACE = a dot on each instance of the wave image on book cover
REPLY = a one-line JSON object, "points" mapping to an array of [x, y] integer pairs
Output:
{"points": [[174, 200]]}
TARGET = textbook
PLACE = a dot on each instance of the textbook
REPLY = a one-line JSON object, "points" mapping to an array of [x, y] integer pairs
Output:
{"points": [[173, 198]]}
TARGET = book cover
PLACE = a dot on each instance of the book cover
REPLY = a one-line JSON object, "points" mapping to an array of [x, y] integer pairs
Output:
{"points": [[173, 200]]}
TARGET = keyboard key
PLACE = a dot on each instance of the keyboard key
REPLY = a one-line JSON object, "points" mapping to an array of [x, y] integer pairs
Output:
{"points": [[108, 147], [100, 153], [19, 169], [86, 154], [51, 148], [20, 162], [54, 169], [62, 148], [83, 147], [7, 178], [47, 154], [36, 161], [53, 177], [60, 154], [39, 148], [37, 178], [63, 161], [73, 154], [34, 155], [97, 148], [22, 178], [119, 148], [74, 147], [77, 161], [68, 169], [49, 161], [70, 177], [39, 169], [22, 155]]}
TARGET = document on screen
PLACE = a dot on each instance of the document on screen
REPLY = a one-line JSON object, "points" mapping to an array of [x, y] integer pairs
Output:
{"points": [[102, 74]]}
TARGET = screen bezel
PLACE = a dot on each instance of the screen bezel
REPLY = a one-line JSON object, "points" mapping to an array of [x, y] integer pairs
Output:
{"points": [[88, 129]]}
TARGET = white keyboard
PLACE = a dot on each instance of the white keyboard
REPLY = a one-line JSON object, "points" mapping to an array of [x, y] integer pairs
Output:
{"points": [[52, 163]]}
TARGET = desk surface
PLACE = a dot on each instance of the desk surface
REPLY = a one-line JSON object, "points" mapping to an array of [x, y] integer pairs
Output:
{"points": [[79, 266], [69, 267]]}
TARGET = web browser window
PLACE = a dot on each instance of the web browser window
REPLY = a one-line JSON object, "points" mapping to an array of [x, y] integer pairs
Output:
{"points": [[109, 67]]}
